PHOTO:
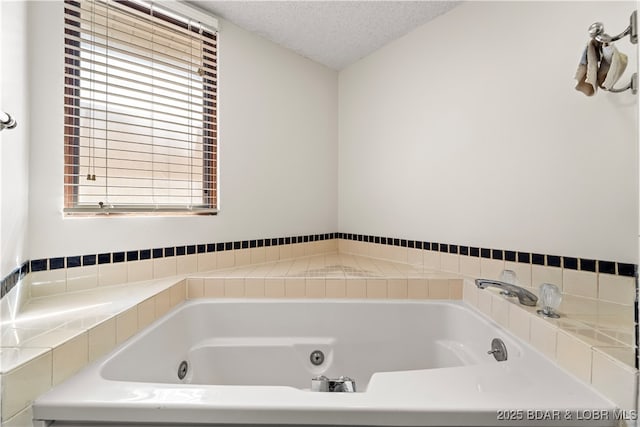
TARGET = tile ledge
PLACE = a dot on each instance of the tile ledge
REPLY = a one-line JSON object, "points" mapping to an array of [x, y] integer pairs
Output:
{"points": [[41, 311]]}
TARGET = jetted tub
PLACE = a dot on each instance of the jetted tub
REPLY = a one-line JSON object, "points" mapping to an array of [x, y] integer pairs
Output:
{"points": [[415, 363]]}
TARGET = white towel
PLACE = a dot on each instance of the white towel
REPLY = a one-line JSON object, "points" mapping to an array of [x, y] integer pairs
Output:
{"points": [[587, 72], [612, 66]]}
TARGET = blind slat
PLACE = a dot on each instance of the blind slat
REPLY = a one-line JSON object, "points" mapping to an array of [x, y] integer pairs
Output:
{"points": [[166, 58], [102, 59], [157, 129], [190, 115], [131, 78]]}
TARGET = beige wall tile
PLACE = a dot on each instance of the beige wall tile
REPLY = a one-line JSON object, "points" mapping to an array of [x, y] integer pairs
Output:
{"points": [[519, 322], [491, 268], [195, 288], [350, 247], [163, 302], [312, 248], [523, 272], [541, 274], [138, 271], [243, 256], [455, 288], [376, 288], [285, 251], [81, 278], [254, 288], [297, 250], [329, 246], [70, 357], [399, 254], [208, 261], [258, 255], [582, 283], [356, 288], [102, 339], [417, 289], [618, 289], [112, 274], [385, 252], [500, 310], [574, 356], [21, 386], [431, 259], [274, 288], [44, 283], [470, 266], [186, 264], [214, 288], [315, 288], [438, 288], [225, 259], [470, 292], [377, 251], [543, 336], [294, 288], [336, 288], [364, 248], [127, 324], [415, 257], [272, 253], [23, 419], [146, 313], [234, 288], [450, 262], [397, 288], [614, 379], [178, 293], [344, 246], [165, 267]]}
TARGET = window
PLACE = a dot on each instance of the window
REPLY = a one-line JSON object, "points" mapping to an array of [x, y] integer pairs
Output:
{"points": [[140, 127]]}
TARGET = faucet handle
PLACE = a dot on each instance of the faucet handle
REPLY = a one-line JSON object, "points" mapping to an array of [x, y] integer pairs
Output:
{"points": [[509, 276], [550, 298]]}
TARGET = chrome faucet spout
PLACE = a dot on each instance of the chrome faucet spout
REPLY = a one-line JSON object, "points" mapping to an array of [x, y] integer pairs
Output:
{"points": [[524, 296]]}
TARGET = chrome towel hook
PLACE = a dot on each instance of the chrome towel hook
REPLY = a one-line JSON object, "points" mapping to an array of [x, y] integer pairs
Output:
{"points": [[8, 123], [596, 31]]}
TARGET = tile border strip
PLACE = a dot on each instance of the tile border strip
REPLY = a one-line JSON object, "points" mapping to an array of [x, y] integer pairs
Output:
{"points": [[12, 279], [56, 263], [571, 263]]}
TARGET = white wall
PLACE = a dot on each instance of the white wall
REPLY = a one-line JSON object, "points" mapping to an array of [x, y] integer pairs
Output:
{"points": [[278, 145], [468, 131], [14, 143]]}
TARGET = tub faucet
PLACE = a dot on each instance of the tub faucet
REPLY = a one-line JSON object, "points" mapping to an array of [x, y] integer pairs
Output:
{"points": [[524, 296]]}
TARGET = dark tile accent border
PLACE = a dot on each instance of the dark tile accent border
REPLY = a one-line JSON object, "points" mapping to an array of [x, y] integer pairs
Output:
{"points": [[554, 261], [45, 264], [537, 259], [608, 267], [571, 263], [13, 278]]}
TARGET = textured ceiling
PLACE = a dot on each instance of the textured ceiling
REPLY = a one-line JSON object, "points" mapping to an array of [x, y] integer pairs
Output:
{"points": [[334, 33]]}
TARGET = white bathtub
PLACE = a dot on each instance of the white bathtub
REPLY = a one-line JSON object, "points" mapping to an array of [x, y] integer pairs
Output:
{"points": [[414, 363]]}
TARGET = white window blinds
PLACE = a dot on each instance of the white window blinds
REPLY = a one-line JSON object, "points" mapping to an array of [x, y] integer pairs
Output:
{"points": [[140, 109]]}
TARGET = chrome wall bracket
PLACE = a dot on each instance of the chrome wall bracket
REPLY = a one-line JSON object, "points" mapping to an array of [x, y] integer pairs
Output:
{"points": [[596, 31], [8, 122]]}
